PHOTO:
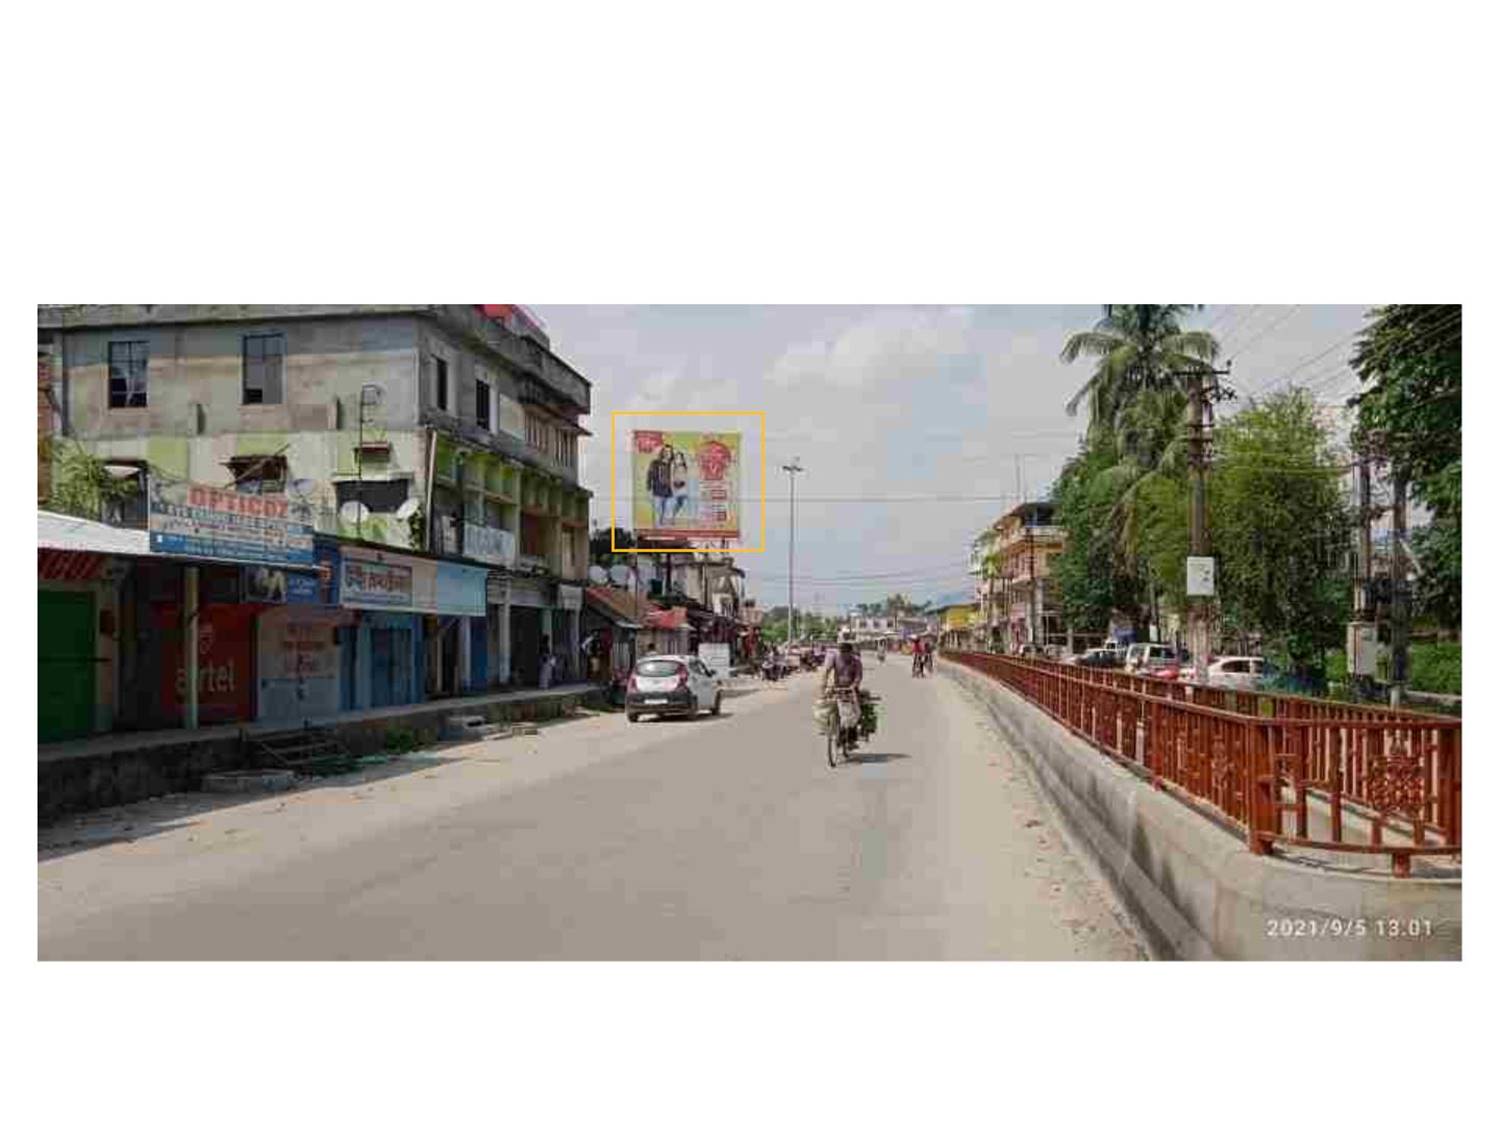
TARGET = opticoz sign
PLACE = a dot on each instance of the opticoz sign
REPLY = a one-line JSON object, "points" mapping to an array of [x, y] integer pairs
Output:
{"points": [[220, 523]]}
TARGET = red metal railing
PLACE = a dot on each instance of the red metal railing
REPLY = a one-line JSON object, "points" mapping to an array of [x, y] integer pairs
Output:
{"points": [[1277, 769]]}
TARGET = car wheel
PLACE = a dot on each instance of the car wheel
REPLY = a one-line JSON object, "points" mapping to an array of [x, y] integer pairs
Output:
{"points": [[632, 716]]}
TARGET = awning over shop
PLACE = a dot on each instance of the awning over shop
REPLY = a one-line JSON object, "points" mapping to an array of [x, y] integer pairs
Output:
{"points": [[619, 607]]}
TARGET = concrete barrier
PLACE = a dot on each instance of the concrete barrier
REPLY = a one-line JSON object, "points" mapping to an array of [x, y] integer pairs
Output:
{"points": [[1194, 888]]}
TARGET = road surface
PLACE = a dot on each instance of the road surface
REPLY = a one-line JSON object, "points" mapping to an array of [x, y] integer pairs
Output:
{"points": [[719, 838]]}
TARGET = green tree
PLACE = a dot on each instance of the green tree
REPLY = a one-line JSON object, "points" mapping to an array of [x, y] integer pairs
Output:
{"points": [[83, 486], [1092, 575], [1136, 348], [1280, 528], [1410, 360]]}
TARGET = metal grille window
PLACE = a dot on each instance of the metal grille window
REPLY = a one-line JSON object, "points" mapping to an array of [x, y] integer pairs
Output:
{"points": [[482, 412], [262, 369], [127, 373]]}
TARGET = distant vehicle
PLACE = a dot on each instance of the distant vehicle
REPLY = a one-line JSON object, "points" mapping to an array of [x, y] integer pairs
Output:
{"points": [[1149, 659], [1054, 653], [1030, 651], [671, 685], [1238, 673], [1102, 658]]}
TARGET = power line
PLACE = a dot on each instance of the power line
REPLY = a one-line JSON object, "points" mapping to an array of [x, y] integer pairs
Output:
{"points": [[1242, 348]]}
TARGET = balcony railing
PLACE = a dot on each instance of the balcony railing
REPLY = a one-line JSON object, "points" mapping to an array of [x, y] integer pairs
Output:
{"points": [[1280, 770]]}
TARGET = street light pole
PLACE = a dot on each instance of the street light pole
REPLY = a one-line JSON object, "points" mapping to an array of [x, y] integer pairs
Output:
{"points": [[791, 550]]}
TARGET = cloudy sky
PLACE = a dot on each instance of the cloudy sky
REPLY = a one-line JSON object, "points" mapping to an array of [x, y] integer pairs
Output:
{"points": [[917, 425]]}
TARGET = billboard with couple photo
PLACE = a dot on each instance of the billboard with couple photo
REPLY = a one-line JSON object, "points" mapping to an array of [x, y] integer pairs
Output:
{"points": [[686, 483]]}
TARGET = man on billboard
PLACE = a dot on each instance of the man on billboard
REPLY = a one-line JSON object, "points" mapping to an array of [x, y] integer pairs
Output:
{"points": [[659, 483]]}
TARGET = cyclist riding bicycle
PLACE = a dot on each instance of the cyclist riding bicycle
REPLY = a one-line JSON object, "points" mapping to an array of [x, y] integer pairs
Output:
{"points": [[845, 668]]}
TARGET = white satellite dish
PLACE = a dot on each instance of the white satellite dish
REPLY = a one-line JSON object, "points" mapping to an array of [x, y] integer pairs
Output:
{"points": [[409, 508], [597, 576], [302, 487], [352, 511], [620, 574]]}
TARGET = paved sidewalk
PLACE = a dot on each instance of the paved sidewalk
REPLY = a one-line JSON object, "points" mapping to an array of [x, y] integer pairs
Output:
{"points": [[129, 741]]}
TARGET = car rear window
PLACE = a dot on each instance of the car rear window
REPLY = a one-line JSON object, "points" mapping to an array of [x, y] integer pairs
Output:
{"points": [[656, 668]]}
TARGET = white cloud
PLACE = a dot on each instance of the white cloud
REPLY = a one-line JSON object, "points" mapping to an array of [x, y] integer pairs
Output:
{"points": [[884, 344]]}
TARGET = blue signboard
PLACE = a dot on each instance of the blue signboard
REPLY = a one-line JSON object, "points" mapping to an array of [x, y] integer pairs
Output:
{"points": [[220, 523]]}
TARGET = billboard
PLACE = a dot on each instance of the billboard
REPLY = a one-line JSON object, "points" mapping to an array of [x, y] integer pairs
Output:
{"points": [[202, 521], [686, 483]]}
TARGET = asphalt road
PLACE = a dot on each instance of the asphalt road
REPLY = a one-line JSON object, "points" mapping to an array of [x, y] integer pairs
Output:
{"points": [[719, 838]]}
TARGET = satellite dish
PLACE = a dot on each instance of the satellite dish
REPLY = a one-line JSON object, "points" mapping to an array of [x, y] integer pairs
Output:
{"points": [[597, 576], [619, 574], [302, 487], [352, 511], [409, 508]]}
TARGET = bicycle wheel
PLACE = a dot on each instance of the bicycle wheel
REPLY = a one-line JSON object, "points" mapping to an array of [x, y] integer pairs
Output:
{"points": [[833, 737]]}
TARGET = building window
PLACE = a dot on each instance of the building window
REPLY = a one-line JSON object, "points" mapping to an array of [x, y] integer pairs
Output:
{"points": [[262, 369], [257, 474], [126, 507], [440, 375], [127, 373], [482, 412], [379, 497]]}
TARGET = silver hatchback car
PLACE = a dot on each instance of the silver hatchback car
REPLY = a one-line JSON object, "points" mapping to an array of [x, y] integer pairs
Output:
{"points": [[671, 685]]}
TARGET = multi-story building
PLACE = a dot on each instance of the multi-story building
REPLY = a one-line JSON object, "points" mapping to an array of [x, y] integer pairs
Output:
{"points": [[399, 430], [1018, 604]]}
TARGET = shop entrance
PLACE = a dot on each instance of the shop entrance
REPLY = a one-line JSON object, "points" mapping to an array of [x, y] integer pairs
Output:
{"points": [[526, 645], [390, 667], [65, 664]]}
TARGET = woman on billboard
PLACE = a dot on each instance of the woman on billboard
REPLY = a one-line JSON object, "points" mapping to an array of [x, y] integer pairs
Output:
{"points": [[680, 489]]}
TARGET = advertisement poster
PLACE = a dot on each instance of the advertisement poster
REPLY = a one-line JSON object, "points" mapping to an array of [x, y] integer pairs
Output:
{"points": [[686, 483], [224, 664], [220, 523]]}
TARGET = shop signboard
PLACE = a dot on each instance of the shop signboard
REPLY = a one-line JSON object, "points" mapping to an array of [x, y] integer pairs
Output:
{"points": [[459, 590], [202, 521], [369, 582], [493, 545], [686, 483], [569, 597], [716, 657]]}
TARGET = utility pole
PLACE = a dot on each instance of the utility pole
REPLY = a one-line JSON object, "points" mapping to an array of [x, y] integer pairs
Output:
{"points": [[1400, 590], [1364, 591], [1200, 607], [791, 550]]}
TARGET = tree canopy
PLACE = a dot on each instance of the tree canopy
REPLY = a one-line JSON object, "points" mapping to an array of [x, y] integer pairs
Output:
{"points": [[1410, 360]]}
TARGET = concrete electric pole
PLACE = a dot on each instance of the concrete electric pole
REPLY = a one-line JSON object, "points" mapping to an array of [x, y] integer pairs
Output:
{"points": [[1400, 591], [791, 550], [1200, 598]]}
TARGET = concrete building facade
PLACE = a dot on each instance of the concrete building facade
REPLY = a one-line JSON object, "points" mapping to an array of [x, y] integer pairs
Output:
{"points": [[429, 428]]}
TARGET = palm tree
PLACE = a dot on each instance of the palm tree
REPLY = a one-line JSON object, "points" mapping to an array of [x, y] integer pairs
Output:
{"points": [[1138, 348]]}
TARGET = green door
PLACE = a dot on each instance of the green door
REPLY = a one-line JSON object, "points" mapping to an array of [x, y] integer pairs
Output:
{"points": [[65, 665]]}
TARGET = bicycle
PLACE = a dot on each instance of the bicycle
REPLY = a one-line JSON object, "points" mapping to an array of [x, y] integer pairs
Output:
{"points": [[842, 737]]}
